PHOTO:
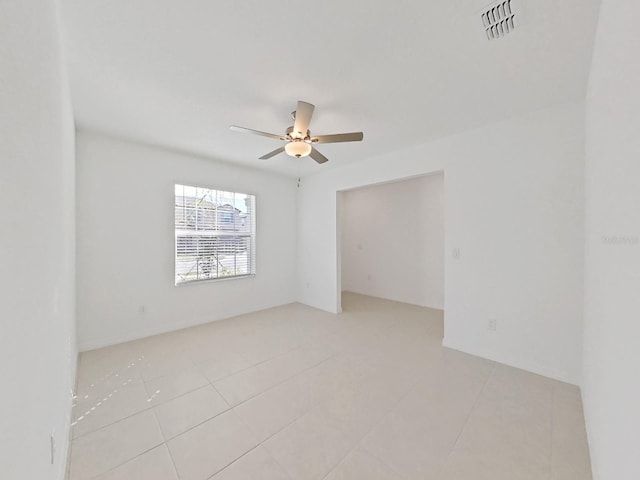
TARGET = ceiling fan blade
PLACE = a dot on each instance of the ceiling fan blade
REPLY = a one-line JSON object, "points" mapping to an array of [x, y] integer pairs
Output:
{"points": [[339, 137], [304, 111], [235, 128], [272, 154], [317, 156]]}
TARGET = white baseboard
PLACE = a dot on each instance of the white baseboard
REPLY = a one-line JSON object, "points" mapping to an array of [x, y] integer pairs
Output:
{"points": [[426, 305], [92, 344], [69, 430], [512, 361]]}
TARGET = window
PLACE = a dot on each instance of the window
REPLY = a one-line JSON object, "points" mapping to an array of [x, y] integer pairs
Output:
{"points": [[215, 234]]}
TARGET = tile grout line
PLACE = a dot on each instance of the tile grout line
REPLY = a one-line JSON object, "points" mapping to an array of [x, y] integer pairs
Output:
{"points": [[362, 328], [313, 405], [286, 472], [213, 386], [152, 408], [232, 462], [111, 469], [471, 410], [147, 407], [167, 440], [259, 444], [164, 442], [382, 418], [173, 461], [140, 380], [279, 383], [197, 366], [474, 407]]}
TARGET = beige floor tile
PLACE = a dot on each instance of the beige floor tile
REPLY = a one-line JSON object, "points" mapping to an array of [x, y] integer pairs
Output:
{"points": [[521, 387], [570, 458], [271, 411], [164, 364], [416, 437], [334, 373], [325, 343], [221, 367], [508, 434], [257, 464], [454, 394], [370, 393], [291, 363], [469, 464], [94, 386], [98, 365], [208, 448], [516, 411], [175, 384], [246, 384], [182, 413], [454, 362], [311, 446], [155, 464], [121, 402], [213, 346], [570, 470], [268, 345], [100, 451], [358, 407], [355, 339], [416, 447], [361, 465]]}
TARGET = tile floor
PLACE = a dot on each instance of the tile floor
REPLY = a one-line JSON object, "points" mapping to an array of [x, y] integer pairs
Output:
{"points": [[293, 393]]}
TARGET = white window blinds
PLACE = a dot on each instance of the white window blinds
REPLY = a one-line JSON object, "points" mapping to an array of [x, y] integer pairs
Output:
{"points": [[215, 234]]}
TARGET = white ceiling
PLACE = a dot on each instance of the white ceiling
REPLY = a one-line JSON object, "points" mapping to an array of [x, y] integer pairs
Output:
{"points": [[177, 73]]}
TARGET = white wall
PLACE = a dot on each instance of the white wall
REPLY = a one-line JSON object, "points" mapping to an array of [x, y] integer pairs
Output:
{"points": [[37, 244], [393, 241], [514, 206], [126, 241], [611, 390]]}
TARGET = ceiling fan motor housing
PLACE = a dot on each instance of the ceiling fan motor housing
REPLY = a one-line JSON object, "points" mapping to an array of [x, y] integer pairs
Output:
{"points": [[306, 138]]}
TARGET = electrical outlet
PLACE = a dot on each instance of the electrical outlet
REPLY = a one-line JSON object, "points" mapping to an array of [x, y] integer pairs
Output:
{"points": [[493, 325], [456, 253]]}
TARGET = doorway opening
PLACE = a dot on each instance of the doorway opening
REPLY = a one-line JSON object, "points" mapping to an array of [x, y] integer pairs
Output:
{"points": [[391, 241]]}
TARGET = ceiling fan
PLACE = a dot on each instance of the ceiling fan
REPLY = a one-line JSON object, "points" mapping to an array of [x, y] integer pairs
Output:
{"points": [[299, 142]]}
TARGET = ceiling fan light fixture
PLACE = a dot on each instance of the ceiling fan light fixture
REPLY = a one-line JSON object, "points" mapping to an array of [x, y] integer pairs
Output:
{"points": [[298, 139], [297, 148]]}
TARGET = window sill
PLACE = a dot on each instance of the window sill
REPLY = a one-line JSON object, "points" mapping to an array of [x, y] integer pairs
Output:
{"points": [[215, 280]]}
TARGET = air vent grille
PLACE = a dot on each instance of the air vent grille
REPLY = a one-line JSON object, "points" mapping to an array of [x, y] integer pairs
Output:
{"points": [[498, 19]]}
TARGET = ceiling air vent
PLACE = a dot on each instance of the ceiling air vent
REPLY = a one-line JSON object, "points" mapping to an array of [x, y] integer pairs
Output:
{"points": [[498, 19]]}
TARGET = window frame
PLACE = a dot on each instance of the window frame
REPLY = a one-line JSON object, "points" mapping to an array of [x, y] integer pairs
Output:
{"points": [[251, 236]]}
